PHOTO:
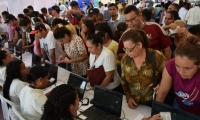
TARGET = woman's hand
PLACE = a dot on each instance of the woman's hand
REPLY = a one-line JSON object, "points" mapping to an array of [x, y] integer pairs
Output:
{"points": [[155, 117], [66, 60], [173, 26], [132, 103]]}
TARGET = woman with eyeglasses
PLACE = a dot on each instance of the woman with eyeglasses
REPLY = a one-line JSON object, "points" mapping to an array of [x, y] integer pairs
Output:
{"points": [[137, 74], [183, 73]]}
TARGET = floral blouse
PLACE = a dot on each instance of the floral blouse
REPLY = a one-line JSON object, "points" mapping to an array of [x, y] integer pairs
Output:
{"points": [[136, 82], [75, 49]]}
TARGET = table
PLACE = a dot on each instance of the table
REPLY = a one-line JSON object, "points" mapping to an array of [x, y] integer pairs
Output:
{"points": [[63, 76]]}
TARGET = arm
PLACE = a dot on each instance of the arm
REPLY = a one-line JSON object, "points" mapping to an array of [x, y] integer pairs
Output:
{"points": [[24, 42], [15, 38], [38, 45], [120, 52], [165, 86], [108, 78], [83, 36], [53, 56], [167, 53]]}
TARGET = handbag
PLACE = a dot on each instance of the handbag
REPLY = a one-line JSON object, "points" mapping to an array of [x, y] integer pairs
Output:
{"points": [[171, 95], [96, 75]]}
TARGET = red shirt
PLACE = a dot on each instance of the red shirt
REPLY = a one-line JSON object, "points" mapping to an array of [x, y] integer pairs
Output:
{"points": [[157, 36]]}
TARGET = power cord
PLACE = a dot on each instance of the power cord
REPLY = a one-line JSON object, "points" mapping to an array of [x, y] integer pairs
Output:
{"points": [[124, 116]]}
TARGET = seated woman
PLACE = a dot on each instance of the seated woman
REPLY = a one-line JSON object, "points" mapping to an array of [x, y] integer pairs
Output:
{"points": [[102, 56], [14, 84], [75, 51], [5, 58], [170, 17], [62, 104], [137, 75], [183, 73], [31, 96]]}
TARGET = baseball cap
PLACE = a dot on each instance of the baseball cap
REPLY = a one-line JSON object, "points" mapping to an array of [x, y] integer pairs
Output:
{"points": [[10, 17], [91, 11], [38, 26], [74, 3], [122, 1], [50, 9], [83, 2], [56, 8]]}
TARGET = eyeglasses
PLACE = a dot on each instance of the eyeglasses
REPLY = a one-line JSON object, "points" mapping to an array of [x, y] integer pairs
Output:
{"points": [[129, 50], [131, 20]]}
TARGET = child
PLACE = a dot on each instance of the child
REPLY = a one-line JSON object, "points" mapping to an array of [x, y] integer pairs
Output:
{"points": [[32, 97]]}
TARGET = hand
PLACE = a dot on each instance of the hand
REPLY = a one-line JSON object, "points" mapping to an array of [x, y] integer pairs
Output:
{"points": [[173, 26], [60, 58], [155, 117], [156, 88], [25, 47], [182, 30], [132, 103], [66, 60]]}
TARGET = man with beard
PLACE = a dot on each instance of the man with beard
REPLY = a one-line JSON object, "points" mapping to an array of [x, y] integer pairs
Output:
{"points": [[115, 17]]}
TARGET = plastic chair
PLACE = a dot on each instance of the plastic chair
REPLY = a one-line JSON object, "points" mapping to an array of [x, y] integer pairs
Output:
{"points": [[16, 112]]}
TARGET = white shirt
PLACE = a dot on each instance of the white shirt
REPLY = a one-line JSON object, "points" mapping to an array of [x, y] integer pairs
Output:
{"points": [[107, 59], [49, 43], [193, 16], [15, 89], [2, 75], [182, 13], [3, 27], [32, 103]]}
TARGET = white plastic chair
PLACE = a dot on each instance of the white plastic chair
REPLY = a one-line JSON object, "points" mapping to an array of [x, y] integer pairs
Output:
{"points": [[10, 113]]}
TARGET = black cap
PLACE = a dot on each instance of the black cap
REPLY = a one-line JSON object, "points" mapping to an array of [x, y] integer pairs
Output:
{"points": [[10, 17], [74, 3], [91, 12], [38, 27], [56, 8]]}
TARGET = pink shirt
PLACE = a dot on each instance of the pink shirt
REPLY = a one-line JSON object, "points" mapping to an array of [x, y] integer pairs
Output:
{"points": [[187, 91], [35, 48]]}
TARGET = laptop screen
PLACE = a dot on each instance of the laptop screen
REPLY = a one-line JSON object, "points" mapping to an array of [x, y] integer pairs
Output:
{"points": [[79, 83], [176, 114], [36, 59], [53, 70], [108, 100]]}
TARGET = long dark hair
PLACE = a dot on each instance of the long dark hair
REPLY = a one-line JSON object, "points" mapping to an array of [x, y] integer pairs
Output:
{"points": [[58, 104], [121, 27], [90, 25], [13, 71], [2, 56]]}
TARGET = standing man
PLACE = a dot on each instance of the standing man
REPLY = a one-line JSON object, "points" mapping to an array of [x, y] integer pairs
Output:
{"points": [[157, 36], [84, 7], [183, 11], [48, 17], [115, 17]]}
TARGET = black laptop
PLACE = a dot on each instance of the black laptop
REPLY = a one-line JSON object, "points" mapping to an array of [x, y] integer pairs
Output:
{"points": [[79, 83], [36, 60], [53, 70], [176, 114], [106, 103]]}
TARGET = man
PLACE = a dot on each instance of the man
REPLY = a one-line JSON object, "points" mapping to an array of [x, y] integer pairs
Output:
{"points": [[152, 10], [56, 12], [183, 11], [3, 32], [146, 15], [193, 16], [18, 32], [9, 27], [92, 15], [31, 10], [50, 11], [48, 17], [84, 7], [115, 17], [157, 37], [173, 7], [26, 12], [49, 46]]}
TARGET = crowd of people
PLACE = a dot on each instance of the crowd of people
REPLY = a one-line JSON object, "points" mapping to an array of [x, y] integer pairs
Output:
{"points": [[118, 37]]}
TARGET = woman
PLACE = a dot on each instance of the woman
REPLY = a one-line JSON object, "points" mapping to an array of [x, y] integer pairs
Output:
{"points": [[31, 96], [121, 27], [43, 21], [80, 19], [102, 56], [66, 23], [14, 84], [170, 17], [183, 73], [5, 58], [87, 29], [75, 51], [104, 30], [137, 75], [62, 104], [179, 37]]}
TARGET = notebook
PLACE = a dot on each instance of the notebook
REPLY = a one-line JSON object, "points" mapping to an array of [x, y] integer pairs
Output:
{"points": [[176, 114], [79, 83], [53, 70], [106, 103]]}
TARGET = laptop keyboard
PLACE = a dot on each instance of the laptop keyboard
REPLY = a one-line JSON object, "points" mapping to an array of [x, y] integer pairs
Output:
{"points": [[95, 114]]}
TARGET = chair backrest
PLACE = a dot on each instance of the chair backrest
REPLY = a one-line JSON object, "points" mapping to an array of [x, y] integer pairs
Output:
{"points": [[6, 100], [16, 112]]}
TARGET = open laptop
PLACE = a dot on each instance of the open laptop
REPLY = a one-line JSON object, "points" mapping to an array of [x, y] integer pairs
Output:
{"points": [[36, 60], [176, 114], [53, 70], [79, 83], [106, 103]]}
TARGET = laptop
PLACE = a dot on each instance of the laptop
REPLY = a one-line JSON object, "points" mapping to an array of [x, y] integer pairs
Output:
{"points": [[36, 60], [106, 103], [79, 83], [176, 114], [53, 70]]}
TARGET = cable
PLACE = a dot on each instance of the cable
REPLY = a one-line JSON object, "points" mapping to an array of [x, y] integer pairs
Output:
{"points": [[124, 116]]}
